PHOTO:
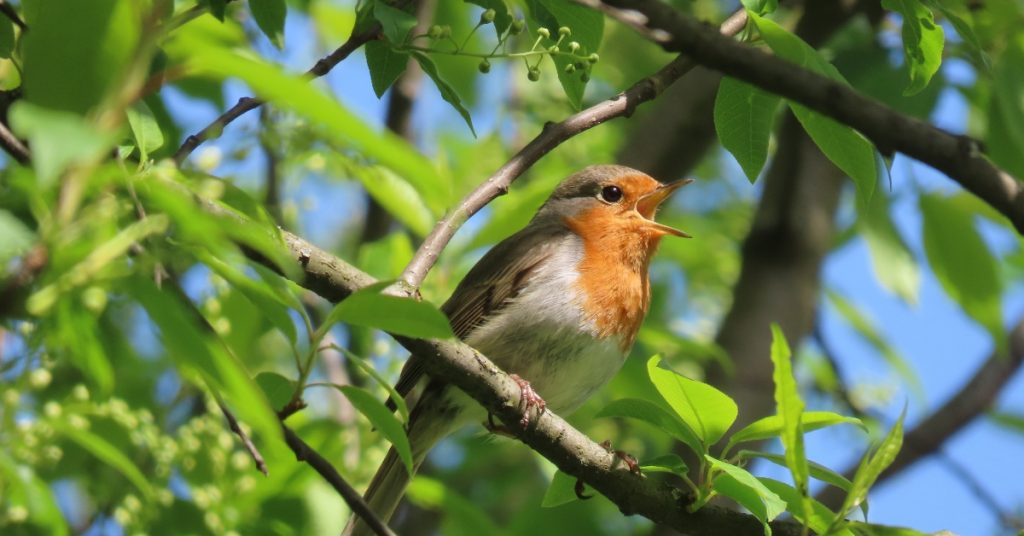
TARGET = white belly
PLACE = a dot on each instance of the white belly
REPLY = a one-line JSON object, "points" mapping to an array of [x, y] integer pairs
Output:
{"points": [[544, 343]]}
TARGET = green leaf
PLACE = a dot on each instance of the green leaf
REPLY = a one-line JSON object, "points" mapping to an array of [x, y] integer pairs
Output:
{"points": [[651, 413], [846, 148], [399, 400], [26, 489], [401, 316], [218, 8], [398, 197], [112, 250], [790, 407], [385, 65], [382, 419], [267, 302], [1010, 421], [666, 463], [741, 486], [447, 92], [295, 93], [743, 120], [706, 410], [871, 467], [1006, 109], [6, 37], [820, 515], [771, 426], [276, 388], [17, 238], [955, 14], [107, 453], [562, 490], [196, 349], [395, 23], [870, 333], [270, 15], [587, 27], [58, 139], [761, 7], [892, 262], [502, 16], [148, 136], [963, 263], [76, 51], [817, 470], [922, 42]]}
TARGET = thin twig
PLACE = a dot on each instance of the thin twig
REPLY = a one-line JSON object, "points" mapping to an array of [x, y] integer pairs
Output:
{"points": [[959, 157], [247, 104], [553, 135], [305, 453], [14, 147], [254, 452]]}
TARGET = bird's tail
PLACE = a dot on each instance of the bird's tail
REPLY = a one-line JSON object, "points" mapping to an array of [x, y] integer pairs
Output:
{"points": [[385, 491], [434, 417]]}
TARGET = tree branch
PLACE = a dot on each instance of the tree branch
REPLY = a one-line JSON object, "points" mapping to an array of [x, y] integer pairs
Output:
{"points": [[14, 147], [959, 157], [553, 135], [303, 452], [247, 104]]}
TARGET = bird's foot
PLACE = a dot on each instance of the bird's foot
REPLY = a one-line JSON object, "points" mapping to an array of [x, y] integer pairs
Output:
{"points": [[528, 399], [623, 456]]}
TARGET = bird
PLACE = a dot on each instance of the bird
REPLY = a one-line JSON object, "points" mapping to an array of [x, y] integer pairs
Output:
{"points": [[557, 305]]}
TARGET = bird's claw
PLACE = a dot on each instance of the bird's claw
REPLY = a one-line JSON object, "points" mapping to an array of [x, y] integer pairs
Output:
{"points": [[579, 489], [528, 399], [624, 457]]}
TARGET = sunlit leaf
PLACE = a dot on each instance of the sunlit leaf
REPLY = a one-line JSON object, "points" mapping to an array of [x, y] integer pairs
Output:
{"points": [[923, 39], [395, 23], [447, 91], [771, 426], [403, 316], [790, 407], [820, 515], [817, 470], [267, 303], [382, 419], [651, 413], [761, 7], [741, 486], [276, 388], [58, 139], [587, 27], [706, 410], [148, 136], [666, 463], [871, 467]]}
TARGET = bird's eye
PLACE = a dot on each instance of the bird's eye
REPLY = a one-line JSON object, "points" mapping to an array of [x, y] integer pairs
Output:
{"points": [[611, 194]]}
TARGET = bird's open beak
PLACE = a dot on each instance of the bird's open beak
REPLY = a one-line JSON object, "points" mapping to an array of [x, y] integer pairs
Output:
{"points": [[647, 206]]}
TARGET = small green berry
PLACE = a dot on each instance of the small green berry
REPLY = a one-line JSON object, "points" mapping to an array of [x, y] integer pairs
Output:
{"points": [[580, 65], [564, 31], [517, 27], [434, 32], [593, 58], [485, 66], [585, 77], [487, 17], [543, 32], [574, 46], [446, 31], [553, 49], [533, 75], [569, 69]]}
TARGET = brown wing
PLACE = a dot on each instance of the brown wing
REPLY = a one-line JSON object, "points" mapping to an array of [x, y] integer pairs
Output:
{"points": [[497, 278]]}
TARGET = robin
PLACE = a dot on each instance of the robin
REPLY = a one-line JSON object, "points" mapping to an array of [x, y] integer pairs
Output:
{"points": [[557, 304]]}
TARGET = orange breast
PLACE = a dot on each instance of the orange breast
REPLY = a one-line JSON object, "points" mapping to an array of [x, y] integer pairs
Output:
{"points": [[613, 272]]}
